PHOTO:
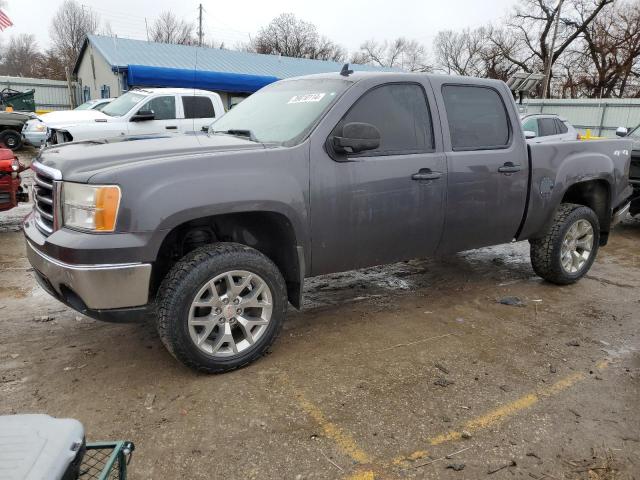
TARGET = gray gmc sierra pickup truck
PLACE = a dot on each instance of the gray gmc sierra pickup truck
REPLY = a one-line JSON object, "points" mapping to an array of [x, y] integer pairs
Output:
{"points": [[215, 233]]}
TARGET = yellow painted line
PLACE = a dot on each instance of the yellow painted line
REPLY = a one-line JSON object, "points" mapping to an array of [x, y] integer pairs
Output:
{"points": [[602, 364], [498, 414], [364, 475], [342, 439]]}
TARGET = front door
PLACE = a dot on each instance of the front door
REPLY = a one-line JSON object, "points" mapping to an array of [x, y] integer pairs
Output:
{"points": [[488, 167], [165, 121], [382, 205]]}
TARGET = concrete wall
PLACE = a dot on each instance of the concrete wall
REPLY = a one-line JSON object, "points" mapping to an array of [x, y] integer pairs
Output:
{"points": [[601, 116], [94, 72], [49, 94]]}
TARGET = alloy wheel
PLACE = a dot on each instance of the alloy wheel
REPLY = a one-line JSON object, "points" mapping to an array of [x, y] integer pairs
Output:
{"points": [[230, 313]]}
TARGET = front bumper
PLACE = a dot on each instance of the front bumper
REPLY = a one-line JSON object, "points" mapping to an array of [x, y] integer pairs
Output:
{"points": [[97, 287]]}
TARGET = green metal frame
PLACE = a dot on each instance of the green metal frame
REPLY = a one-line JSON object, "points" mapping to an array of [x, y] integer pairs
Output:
{"points": [[117, 453]]}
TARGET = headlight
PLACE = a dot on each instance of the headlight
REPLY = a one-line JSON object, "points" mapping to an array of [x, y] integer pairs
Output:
{"points": [[40, 127], [90, 207]]}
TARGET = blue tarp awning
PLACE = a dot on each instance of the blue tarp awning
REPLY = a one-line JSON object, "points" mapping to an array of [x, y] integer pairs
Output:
{"points": [[143, 76]]}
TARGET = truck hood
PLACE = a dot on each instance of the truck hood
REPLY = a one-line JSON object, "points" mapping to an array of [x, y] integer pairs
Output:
{"points": [[79, 161], [73, 117]]}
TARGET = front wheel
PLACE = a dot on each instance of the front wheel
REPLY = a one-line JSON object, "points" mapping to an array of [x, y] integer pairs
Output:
{"points": [[11, 139], [569, 247], [221, 307]]}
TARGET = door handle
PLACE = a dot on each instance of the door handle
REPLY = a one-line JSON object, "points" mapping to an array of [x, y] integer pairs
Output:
{"points": [[510, 167], [426, 174], [171, 127]]}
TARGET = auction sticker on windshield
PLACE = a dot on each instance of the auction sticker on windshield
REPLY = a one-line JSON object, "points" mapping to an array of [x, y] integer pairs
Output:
{"points": [[307, 98]]}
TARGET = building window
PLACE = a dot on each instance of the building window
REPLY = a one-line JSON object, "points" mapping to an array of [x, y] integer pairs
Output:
{"points": [[105, 91], [86, 94]]}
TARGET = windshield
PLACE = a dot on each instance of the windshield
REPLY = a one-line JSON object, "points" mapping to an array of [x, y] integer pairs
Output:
{"points": [[282, 112], [85, 105], [123, 104], [635, 133], [100, 106]]}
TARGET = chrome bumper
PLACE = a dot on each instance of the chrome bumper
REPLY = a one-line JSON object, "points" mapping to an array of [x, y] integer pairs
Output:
{"points": [[100, 287], [620, 214]]}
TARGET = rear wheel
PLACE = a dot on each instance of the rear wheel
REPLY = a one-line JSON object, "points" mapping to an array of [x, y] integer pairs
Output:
{"points": [[221, 307], [11, 139], [569, 247]]}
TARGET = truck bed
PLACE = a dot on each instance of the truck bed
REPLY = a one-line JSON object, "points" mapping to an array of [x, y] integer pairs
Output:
{"points": [[553, 166]]}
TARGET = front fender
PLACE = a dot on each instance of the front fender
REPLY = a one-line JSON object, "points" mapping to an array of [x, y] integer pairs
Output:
{"points": [[157, 197]]}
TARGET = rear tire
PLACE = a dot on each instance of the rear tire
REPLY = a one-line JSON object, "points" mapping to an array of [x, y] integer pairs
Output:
{"points": [[569, 247], [221, 307], [11, 139]]}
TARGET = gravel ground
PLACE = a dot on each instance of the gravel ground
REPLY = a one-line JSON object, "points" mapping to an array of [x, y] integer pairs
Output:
{"points": [[384, 373]]}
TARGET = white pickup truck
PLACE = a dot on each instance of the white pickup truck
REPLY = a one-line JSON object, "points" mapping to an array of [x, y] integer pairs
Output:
{"points": [[149, 111]]}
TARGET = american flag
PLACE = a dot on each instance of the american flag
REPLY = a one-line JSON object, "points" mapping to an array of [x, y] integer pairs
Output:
{"points": [[4, 21]]}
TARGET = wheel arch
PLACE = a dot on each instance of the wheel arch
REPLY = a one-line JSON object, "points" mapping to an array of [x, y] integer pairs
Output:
{"points": [[595, 194], [270, 232]]}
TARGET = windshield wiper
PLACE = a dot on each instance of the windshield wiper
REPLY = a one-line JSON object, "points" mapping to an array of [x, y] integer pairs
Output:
{"points": [[238, 132]]}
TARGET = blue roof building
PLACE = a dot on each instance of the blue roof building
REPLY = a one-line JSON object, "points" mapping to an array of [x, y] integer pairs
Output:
{"points": [[108, 66]]}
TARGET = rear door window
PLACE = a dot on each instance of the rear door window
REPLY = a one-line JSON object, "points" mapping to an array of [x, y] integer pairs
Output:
{"points": [[477, 118], [198, 107], [561, 127], [547, 126], [401, 113]]}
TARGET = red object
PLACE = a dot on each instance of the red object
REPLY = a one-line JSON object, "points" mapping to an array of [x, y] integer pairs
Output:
{"points": [[5, 22], [11, 192]]}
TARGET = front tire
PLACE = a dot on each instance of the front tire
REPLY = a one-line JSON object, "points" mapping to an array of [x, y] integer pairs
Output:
{"points": [[11, 139], [221, 307], [569, 247]]}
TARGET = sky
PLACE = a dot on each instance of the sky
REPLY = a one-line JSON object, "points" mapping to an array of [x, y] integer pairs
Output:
{"points": [[348, 23]]}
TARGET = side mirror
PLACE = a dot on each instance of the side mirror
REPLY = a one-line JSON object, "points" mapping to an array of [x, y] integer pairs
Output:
{"points": [[622, 132], [528, 134], [143, 115], [357, 137]]}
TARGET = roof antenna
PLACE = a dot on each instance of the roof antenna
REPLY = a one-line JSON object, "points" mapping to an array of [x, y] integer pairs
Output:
{"points": [[345, 72]]}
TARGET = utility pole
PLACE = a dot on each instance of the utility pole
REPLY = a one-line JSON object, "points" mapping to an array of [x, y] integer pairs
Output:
{"points": [[200, 33], [547, 66]]}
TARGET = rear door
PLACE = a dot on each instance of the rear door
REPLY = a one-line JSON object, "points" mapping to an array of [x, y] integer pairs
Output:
{"points": [[487, 165], [166, 117], [381, 205]]}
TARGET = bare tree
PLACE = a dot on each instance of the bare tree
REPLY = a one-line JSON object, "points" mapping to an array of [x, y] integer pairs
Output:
{"points": [[69, 29], [460, 53], [472, 52], [21, 56], [170, 29], [51, 66], [289, 36], [612, 51], [531, 28], [400, 53]]}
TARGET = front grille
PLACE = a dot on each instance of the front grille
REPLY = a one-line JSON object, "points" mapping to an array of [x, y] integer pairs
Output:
{"points": [[56, 137], [43, 200], [5, 197]]}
